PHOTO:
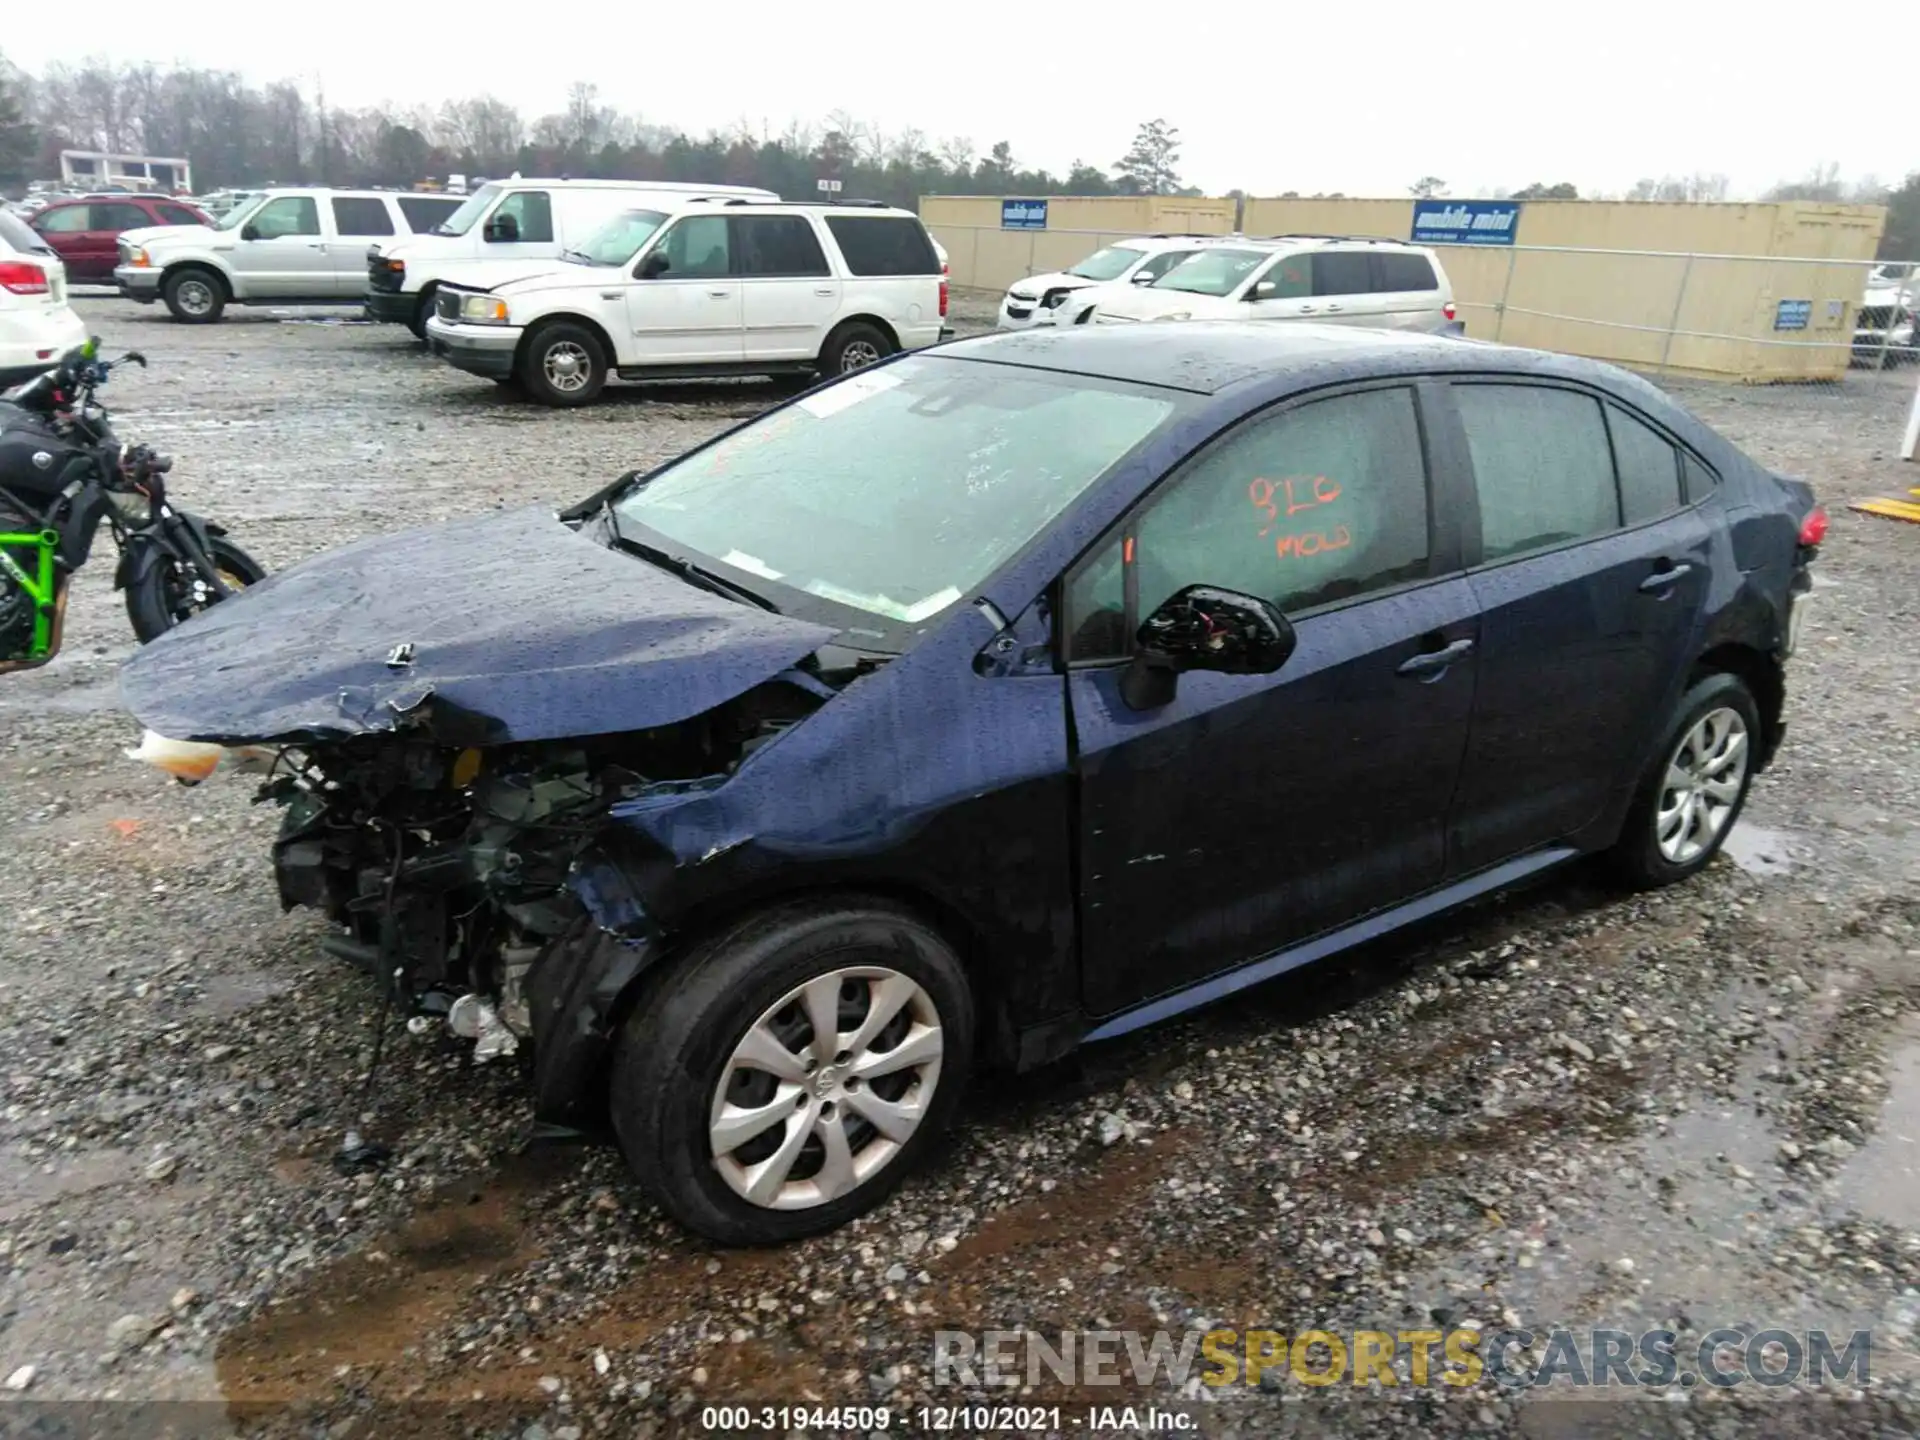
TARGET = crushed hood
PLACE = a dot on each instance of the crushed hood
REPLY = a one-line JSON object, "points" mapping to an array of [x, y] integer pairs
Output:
{"points": [[519, 628], [492, 274]]}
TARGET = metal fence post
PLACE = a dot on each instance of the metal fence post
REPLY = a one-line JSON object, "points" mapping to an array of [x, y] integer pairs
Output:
{"points": [[1911, 440], [1506, 288], [1894, 312], [1673, 324]]}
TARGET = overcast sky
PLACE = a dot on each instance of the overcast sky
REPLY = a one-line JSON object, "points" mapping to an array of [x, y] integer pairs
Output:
{"points": [[1357, 97]]}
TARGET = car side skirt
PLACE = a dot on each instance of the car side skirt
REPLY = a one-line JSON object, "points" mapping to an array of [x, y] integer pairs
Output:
{"points": [[1321, 946]]}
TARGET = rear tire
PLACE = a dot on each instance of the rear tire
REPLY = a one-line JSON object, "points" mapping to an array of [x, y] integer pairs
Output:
{"points": [[727, 1033], [1695, 788], [563, 364], [194, 295], [854, 346], [163, 597]]}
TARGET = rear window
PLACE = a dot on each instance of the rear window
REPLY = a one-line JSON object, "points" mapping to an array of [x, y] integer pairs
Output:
{"points": [[1405, 272], [16, 234], [884, 244], [423, 212], [359, 215]]}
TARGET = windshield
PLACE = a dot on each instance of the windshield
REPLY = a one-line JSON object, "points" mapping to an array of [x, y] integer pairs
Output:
{"points": [[240, 213], [1108, 264], [620, 239], [471, 209], [1212, 272], [897, 491]]}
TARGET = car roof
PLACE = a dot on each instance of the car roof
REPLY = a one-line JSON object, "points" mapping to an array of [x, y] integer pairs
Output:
{"points": [[1208, 356]]}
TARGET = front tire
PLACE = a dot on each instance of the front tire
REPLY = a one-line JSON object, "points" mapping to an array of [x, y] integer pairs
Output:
{"points": [[741, 1121], [194, 296], [171, 591], [422, 313], [563, 364], [1692, 794]]}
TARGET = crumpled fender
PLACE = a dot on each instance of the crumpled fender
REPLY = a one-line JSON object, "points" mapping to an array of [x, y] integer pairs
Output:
{"points": [[577, 993]]}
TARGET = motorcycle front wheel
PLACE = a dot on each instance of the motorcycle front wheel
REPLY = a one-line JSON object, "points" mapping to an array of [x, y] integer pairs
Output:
{"points": [[172, 590]]}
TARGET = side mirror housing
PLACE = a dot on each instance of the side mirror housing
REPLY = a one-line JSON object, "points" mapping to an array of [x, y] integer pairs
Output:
{"points": [[1262, 290], [501, 230], [1204, 628], [1141, 277], [249, 231], [653, 266]]}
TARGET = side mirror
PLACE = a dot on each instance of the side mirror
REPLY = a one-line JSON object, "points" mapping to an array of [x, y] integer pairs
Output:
{"points": [[1262, 290], [653, 266], [249, 231], [501, 229], [1204, 628], [1142, 277]]}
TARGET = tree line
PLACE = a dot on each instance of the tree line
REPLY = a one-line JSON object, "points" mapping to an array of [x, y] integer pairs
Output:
{"points": [[238, 134]]}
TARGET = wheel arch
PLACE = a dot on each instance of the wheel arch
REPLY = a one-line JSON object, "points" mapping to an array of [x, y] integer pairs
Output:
{"points": [[212, 267], [1762, 675], [885, 327], [566, 317]]}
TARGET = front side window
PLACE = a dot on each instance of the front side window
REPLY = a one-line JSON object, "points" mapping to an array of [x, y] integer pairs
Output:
{"points": [[697, 245], [532, 214], [1314, 505], [69, 220], [178, 215], [1161, 264], [898, 491], [287, 215], [1342, 272], [1542, 468], [1291, 278], [1212, 272], [1649, 469], [1108, 264], [361, 215], [774, 245]]}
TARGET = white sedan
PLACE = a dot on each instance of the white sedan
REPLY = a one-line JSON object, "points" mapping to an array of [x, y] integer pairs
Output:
{"points": [[37, 326]]}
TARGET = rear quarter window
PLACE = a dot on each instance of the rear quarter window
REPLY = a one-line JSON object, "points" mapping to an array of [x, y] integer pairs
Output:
{"points": [[1404, 272], [884, 244]]}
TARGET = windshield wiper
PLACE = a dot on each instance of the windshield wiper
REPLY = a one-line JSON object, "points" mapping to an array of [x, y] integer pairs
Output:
{"points": [[693, 574], [585, 258]]}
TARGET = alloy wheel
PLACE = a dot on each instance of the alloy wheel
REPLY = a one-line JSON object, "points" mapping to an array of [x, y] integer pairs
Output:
{"points": [[194, 296], [826, 1087], [857, 355], [1704, 778], [566, 367]]}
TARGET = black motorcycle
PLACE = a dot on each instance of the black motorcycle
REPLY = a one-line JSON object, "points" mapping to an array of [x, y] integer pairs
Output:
{"points": [[63, 472]]}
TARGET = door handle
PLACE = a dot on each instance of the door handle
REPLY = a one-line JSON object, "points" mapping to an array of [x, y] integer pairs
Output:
{"points": [[826, 290], [1306, 309], [721, 294], [1662, 579], [1332, 308], [316, 245], [1432, 662]]}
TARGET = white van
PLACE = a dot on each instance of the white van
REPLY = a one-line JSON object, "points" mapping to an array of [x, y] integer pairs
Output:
{"points": [[535, 221]]}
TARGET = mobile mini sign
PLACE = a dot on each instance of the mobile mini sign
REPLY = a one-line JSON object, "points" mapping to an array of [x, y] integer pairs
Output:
{"points": [[1023, 214], [1465, 222]]}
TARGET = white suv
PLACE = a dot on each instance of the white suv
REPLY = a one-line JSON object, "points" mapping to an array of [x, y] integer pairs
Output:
{"points": [[37, 325], [286, 247], [530, 221], [1037, 299], [1335, 279], [703, 287]]}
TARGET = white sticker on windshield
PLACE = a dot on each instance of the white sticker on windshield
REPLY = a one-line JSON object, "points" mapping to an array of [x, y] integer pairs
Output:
{"points": [[752, 564], [932, 605], [849, 392]]}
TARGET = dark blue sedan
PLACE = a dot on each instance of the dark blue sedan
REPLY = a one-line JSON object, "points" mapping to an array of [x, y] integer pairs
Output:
{"points": [[999, 698]]}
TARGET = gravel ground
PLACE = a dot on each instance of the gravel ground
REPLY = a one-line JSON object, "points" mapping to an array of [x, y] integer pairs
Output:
{"points": [[1694, 1109]]}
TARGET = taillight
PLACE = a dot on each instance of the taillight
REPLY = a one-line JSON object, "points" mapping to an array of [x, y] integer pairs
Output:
{"points": [[24, 279], [1813, 529], [943, 292], [1449, 311]]}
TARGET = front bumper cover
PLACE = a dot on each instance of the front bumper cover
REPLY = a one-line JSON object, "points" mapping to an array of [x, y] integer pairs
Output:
{"points": [[487, 350]]}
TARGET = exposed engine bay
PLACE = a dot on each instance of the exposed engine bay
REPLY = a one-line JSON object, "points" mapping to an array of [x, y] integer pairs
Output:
{"points": [[448, 868]]}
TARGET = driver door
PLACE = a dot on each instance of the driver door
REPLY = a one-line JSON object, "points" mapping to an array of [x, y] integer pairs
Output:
{"points": [[282, 251], [1253, 812], [690, 313], [1284, 291]]}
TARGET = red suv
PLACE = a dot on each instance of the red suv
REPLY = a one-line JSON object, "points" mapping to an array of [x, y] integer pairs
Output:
{"points": [[83, 232]]}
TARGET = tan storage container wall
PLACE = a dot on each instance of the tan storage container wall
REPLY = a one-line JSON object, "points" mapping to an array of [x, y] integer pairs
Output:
{"points": [[1620, 306], [982, 256]]}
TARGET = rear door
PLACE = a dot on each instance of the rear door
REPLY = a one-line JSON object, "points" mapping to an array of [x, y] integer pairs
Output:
{"points": [[1255, 811], [790, 298], [1592, 578], [358, 221], [1407, 291], [1343, 288], [64, 228], [100, 241]]}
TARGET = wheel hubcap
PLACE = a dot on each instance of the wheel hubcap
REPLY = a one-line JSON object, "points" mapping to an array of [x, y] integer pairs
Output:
{"points": [[566, 366], [194, 297], [858, 355], [825, 1087], [1705, 776]]}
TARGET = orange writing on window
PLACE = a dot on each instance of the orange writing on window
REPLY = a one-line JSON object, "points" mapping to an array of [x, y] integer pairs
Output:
{"points": [[1295, 492], [1313, 542]]}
